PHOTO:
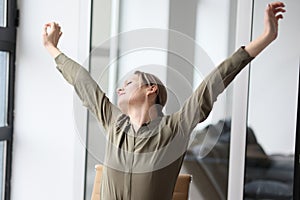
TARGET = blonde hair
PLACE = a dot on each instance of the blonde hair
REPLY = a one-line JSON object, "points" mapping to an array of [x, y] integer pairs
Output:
{"points": [[150, 79]]}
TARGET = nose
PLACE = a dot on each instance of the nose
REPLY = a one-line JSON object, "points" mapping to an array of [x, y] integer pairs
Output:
{"points": [[119, 91]]}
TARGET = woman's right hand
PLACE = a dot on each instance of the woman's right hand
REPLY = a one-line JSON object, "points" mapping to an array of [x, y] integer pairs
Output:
{"points": [[51, 35]]}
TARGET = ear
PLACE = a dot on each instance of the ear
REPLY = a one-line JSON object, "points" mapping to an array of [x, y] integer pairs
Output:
{"points": [[152, 89]]}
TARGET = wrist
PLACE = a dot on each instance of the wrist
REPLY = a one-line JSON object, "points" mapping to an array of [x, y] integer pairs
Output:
{"points": [[53, 50], [268, 37], [258, 45], [49, 45]]}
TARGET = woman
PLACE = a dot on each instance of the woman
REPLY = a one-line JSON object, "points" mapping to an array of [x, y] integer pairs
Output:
{"points": [[145, 148]]}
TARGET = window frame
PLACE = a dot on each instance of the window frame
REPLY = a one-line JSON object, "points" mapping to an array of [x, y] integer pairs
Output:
{"points": [[296, 192], [8, 44]]}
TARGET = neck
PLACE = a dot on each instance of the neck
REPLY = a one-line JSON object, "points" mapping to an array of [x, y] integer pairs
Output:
{"points": [[141, 115]]}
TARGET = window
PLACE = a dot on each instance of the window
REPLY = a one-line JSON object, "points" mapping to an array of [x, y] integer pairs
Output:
{"points": [[271, 155], [99, 56], [3, 13], [3, 87], [8, 23]]}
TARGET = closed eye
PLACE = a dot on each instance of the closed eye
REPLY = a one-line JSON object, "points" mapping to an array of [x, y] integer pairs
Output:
{"points": [[128, 82]]}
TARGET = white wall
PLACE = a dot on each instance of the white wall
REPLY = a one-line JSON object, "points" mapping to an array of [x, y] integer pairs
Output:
{"points": [[153, 17], [47, 155]]}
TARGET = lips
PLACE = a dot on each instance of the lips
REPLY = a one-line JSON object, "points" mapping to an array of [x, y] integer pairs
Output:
{"points": [[121, 93]]}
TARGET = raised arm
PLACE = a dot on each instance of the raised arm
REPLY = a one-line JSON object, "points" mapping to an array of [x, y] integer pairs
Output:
{"points": [[87, 89], [273, 14], [197, 108]]}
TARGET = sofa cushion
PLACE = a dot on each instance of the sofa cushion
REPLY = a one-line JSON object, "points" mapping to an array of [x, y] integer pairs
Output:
{"points": [[268, 190]]}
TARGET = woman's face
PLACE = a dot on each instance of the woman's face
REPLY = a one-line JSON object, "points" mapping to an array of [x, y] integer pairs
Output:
{"points": [[131, 93]]}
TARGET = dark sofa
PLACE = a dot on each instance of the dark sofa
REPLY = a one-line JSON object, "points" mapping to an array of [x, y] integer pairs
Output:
{"points": [[266, 176]]}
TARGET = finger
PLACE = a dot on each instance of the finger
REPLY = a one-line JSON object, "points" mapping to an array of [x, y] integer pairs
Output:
{"points": [[280, 16], [280, 9], [52, 24], [276, 7], [57, 26], [275, 11], [277, 4], [279, 12], [45, 30], [270, 10], [48, 24]]}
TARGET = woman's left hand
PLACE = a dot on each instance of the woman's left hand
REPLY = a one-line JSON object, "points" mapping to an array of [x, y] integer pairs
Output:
{"points": [[273, 14]]}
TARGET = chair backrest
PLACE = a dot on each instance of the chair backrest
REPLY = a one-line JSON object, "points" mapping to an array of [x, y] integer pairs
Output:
{"points": [[97, 183], [182, 187], [181, 190]]}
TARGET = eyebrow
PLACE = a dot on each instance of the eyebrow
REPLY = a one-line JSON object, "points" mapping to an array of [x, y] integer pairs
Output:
{"points": [[131, 79], [127, 81]]}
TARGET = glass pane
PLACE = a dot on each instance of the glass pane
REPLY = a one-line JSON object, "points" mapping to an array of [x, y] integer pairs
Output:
{"points": [[2, 13], [2, 167], [207, 158], [272, 111], [3, 87], [99, 56]]}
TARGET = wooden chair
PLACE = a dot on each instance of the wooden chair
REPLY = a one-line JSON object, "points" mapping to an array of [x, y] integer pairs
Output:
{"points": [[97, 183], [182, 187], [181, 190]]}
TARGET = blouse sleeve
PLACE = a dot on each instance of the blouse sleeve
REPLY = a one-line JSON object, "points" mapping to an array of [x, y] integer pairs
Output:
{"points": [[198, 106], [88, 90]]}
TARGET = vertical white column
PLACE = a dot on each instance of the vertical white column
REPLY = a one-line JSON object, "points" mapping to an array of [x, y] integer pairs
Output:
{"points": [[239, 111], [80, 141], [113, 72]]}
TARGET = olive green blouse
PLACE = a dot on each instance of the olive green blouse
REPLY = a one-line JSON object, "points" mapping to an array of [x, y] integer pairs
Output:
{"points": [[144, 164]]}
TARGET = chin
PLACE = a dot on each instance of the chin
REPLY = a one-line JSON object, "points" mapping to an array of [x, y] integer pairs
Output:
{"points": [[122, 107]]}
